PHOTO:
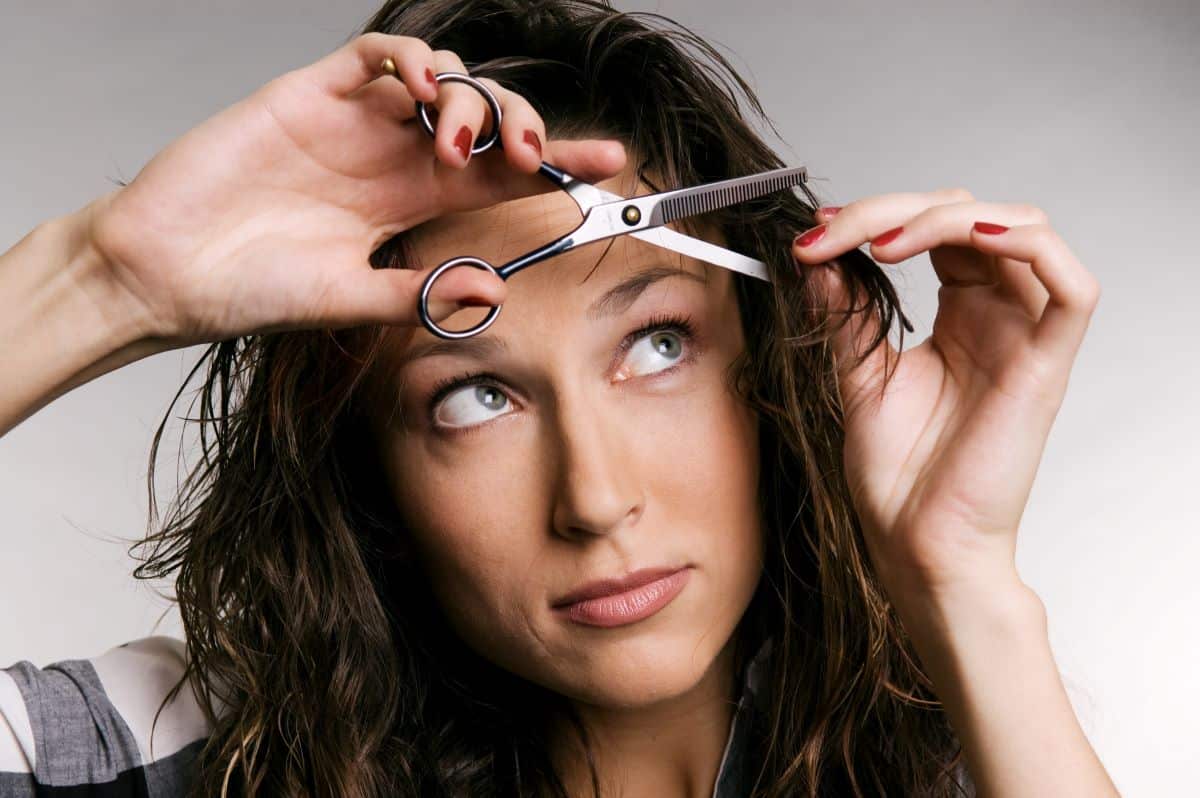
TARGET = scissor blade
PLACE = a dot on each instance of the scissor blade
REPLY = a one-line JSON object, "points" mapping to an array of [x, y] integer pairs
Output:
{"points": [[693, 201], [699, 249], [586, 195]]}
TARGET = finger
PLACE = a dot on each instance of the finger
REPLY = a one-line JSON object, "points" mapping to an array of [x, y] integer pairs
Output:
{"points": [[591, 160], [462, 114], [945, 231], [493, 180], [522, 130], [361, 60], [950, 224], [865, 219], [1073, 291], [391, 296], [387, 97]]}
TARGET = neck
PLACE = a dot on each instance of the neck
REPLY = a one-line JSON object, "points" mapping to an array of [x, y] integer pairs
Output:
{"points": [[671, 748]]}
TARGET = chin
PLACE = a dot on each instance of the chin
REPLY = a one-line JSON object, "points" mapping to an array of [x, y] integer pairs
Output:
{"points": [[638, 671]]}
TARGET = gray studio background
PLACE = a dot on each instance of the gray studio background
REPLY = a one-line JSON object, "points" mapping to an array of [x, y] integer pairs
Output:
{"points": [[1087, 109]]}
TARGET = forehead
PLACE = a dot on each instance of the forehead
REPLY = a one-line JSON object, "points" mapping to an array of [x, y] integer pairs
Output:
{"points": [[569, 290]]}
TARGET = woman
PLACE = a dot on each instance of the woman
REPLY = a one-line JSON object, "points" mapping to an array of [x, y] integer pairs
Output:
{"points": [[377, 558]]}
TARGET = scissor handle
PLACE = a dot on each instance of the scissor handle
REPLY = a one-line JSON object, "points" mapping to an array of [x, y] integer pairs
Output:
{"points": [[458, 77], [423, 304]]}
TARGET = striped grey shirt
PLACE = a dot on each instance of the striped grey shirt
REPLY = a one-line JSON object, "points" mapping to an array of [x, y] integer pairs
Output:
{"points": [[88, 722]]}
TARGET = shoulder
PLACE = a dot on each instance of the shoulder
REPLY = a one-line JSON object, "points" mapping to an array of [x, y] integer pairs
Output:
{"points": [[92, 721]]}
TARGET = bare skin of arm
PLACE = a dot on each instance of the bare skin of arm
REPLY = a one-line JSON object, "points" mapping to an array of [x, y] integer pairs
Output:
{"points": [[62, 321], [992, 667]]}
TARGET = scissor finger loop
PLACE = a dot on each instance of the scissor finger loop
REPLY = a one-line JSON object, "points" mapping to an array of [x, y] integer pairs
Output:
{"points": [[423, 305], [493, 104]]}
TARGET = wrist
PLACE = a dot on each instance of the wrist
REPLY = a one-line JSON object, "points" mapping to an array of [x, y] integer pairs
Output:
{"points": [[971, 641], [951, 620], [64, 319], [119, 315], [987, 653]]}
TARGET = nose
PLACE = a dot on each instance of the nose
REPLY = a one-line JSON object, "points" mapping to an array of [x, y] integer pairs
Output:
{"points": [[598, 489]]}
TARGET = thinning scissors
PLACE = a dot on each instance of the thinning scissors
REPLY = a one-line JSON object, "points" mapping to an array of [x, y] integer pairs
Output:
{"points": [[606, 215]]}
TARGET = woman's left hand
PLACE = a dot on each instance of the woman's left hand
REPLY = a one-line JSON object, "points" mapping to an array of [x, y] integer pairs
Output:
{"points": [[940, 466]]}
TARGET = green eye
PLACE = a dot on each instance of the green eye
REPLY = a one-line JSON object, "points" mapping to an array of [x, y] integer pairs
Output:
{"points": [[653, 352], [471, 404]]}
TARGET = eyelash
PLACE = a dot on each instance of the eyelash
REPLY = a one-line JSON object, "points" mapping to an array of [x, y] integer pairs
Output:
{"points": [[681, 325]]}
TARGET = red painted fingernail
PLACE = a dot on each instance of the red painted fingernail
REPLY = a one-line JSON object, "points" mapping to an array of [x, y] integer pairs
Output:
{"points": [[429, 77], [888, 237], [532, 140], [988, 227], [811, 237], [830, 210], [462, 142]]}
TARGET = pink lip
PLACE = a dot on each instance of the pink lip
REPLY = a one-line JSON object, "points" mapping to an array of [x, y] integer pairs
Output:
{"points": [[617, 602]]}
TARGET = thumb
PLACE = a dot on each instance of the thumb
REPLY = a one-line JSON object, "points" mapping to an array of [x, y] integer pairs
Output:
{"points": [[390, 296]]}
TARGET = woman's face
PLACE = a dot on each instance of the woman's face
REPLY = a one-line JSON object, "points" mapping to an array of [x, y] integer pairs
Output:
{"points": [[588, 451]]}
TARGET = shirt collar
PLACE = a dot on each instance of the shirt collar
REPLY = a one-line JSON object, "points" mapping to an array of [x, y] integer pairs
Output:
{"points": [[732, 777]]}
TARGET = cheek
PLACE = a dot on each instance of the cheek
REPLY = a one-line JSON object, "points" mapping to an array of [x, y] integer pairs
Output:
{"points": [[702, 454], [471, 544], [699, 459]]}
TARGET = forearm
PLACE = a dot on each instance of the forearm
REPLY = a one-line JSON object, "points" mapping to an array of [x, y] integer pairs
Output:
{"points": [[62, 319], [990, 660]]}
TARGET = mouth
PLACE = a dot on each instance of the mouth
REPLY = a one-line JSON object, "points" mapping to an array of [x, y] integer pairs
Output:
{"points": [[619, 602]]}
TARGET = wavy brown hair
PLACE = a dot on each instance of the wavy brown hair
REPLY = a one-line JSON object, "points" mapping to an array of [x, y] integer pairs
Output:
{"points": [[292, 573]]}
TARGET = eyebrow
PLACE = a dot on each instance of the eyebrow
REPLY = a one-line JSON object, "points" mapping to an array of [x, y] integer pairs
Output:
{"points": [[618, 299], [614, 301]]}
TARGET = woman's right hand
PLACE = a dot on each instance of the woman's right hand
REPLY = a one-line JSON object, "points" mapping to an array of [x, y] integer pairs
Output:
{"points": [[263, 217]]}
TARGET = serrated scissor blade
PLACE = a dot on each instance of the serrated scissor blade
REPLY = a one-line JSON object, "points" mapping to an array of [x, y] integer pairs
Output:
{"points": [[685, 202]]}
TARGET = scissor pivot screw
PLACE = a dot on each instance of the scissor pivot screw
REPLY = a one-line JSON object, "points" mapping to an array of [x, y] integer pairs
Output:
{"points": [[631, 215]]}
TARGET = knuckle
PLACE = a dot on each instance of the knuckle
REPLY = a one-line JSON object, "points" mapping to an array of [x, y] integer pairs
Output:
{"points": [[849, 209], [518, 106], [954, 195], [416, 43], [940, 213], [1082, 298], [402, 48], [502, 95], [449, 58], [377, 40], [1083, 292], [1044, 238], [1034, 212], [1043, 235]]}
